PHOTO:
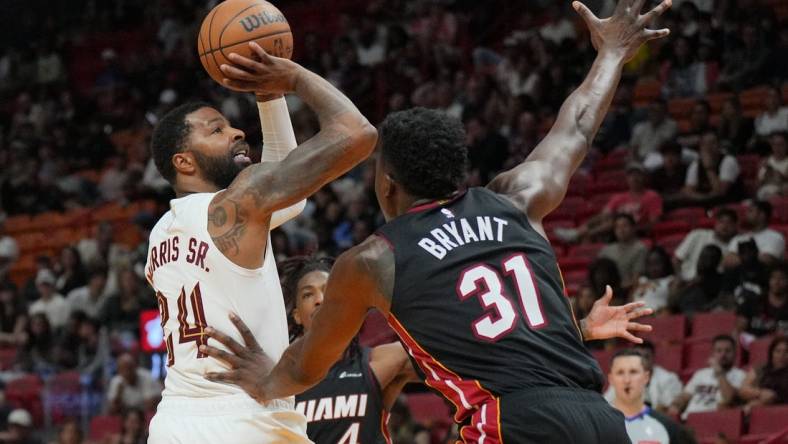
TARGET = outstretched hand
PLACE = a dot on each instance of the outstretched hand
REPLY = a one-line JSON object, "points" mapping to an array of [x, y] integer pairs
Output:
{"points": [[248, 363], [605, 322], [626, 29], [265, 75]]}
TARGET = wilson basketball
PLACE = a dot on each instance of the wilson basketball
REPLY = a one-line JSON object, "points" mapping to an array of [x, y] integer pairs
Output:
{"points": [[232, 24]]}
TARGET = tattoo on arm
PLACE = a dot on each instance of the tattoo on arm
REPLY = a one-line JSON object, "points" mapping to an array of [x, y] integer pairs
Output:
{"points": [[232, 223]]}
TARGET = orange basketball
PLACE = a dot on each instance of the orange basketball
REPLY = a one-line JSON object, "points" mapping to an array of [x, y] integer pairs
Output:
{"points": [[232, 24]]}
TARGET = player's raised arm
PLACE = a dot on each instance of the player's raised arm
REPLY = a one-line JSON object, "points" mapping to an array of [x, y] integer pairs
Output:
{"points": [[538, 185], [239, 217]]}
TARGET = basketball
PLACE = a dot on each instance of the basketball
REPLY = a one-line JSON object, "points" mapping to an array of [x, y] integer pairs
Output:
{"points": [[232, 24]]}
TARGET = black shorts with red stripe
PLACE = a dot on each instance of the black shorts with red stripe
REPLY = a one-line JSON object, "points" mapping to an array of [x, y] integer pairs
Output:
{"points": [[552, 415]]}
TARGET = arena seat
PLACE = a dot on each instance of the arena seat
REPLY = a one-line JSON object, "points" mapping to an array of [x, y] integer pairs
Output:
{"points": [[690, 215], [766, 420], [669, 226], [586, 250], [25, 392], [17, 224], [681, 108], [7, 357], [707, 325], [603, 357], [671, 242], [568, 263], [670, 328], [759, 351], [104, 426], [428, 408], [708, 424], [696, 356], [669, 356]]}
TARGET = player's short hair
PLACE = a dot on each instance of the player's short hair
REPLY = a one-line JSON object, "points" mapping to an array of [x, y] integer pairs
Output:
{"points": [[624, 352], [169, 136], [425, 150]]}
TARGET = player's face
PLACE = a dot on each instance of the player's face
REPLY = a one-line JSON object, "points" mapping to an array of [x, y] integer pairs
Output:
{"points": [[309, 296], [628, 378], [219, 150]]}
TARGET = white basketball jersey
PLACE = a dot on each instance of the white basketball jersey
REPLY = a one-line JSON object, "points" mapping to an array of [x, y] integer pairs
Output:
{"points": [[197, 286]]}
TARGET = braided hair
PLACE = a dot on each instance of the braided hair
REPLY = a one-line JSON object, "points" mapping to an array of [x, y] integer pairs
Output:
{"points": [[292, 270]]}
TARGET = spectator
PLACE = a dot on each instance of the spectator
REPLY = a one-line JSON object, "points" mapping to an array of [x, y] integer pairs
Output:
{"points": [[9, 251], [745, 65], [50, 303], [669, 176], [748, 280], [132, 388], [558, 27], [771, 243], [699, 124], [734, 129], [683, 75], [685, 258], [93, 351], [103, 251], [13, 316], [713, 387], [654, 286], [90, 298], [663, 386], [5, 408], [134, 429], [773, 174], [628, 252], [766, 314], [69, 433], [712, 179], [30, 291], [648, 136], [37, 351], [487, 149], [768, 384], [643, 205], [121, 310], [629, 375], [20, 428], [702, 293], [70, 271], [775, 117]]}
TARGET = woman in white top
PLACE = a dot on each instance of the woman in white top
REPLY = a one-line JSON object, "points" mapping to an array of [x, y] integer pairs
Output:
{"points": [[773, 175], [654, 287]]}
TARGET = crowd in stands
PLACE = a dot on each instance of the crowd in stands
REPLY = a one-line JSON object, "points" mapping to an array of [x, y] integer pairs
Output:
{"points": [[682, 201]]}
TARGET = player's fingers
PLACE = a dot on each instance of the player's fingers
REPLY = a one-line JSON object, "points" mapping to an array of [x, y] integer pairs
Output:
{"points": [[585, 13], [605, 300], [246, 334], [233, 72], [636, 326], [632, 338], [656, 12], [264, 56], [230, 376], [652, 34], [638, 312], [245, 62], [240, 85], [222, 355], [227, 341], [637, 6], [632, 306]]}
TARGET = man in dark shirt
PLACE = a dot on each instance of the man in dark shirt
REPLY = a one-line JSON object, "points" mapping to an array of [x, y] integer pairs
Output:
{"points": [[669, 178], [768, 313]]}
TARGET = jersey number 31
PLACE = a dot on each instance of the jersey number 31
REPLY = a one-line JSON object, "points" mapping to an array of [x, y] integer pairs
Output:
{"points": [[487, 285]]}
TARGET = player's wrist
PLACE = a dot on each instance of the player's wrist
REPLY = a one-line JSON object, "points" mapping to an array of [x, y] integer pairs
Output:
{"points": [[263, 96]]}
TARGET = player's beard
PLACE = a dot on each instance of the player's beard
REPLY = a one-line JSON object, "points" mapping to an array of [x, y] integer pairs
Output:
{"points": [[219, 170]]}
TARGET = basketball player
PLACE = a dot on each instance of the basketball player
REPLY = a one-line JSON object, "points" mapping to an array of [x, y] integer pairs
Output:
{"points": [[468, 279], [210, 255], [351, 404]]}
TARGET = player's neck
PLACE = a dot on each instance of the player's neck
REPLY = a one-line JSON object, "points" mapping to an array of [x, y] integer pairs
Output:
{"points": [[630, 409], [188, 186]]}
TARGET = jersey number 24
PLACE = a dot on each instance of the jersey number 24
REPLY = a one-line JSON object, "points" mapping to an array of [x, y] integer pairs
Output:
{"points": [[188, 332], [500, 316]]}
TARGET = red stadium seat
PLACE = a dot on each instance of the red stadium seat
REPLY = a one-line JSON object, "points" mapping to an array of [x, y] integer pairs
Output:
{"points": [[672, 328], [603, 357], [708, 325], [64, 395], [759, 351], [671, 242], [428, 408], [670, 227], [7, 357], [102, 427], [696, 356], [25, 392], [779, 210], [681, 108], [709, 424], [574, 263], [669, 356], [691, 215], [575, 278], [766, 420]]}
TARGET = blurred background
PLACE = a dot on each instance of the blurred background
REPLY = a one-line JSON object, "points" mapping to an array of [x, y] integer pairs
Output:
{"points": [[682, 203]]}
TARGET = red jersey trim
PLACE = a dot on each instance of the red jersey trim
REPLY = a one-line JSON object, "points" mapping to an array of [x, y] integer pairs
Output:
{"points": [[434, 203]]}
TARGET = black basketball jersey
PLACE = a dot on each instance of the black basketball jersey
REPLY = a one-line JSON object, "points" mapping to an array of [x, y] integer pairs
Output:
{"points": [[479, 302], [347, 406]]}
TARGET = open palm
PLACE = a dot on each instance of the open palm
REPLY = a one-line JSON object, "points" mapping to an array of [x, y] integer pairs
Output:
{"points": [[605, 321]]}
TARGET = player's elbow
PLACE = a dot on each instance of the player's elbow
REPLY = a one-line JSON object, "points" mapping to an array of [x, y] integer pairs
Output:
{"points": [[365, 138]]}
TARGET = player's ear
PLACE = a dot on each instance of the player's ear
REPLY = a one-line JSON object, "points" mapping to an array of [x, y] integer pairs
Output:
{"points": [[184, 163], [389, 185]]}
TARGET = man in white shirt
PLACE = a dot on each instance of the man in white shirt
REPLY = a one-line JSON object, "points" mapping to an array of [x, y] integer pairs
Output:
{"points": [[51, 303], [649, 135], [89, 298], [712, 178], [685, 258], [712, 387], [661, 389], [771, 244], [132, 388], [775, 118]]}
